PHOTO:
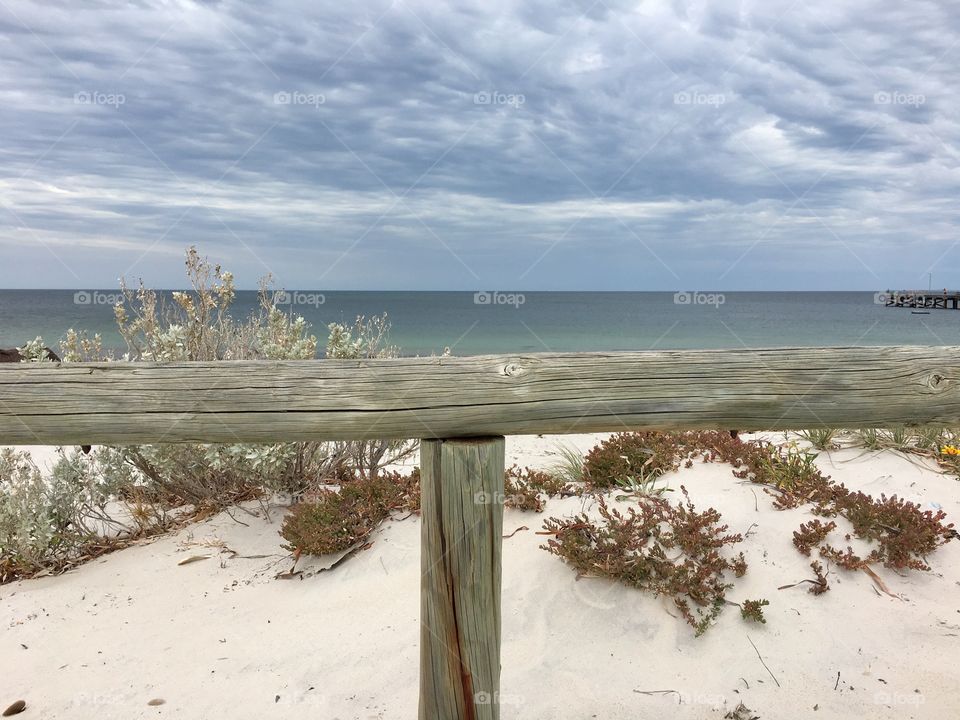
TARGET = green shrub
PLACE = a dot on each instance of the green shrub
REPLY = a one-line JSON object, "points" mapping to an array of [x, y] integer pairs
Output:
{"points": [[821, 438], [34, 351], [869, 438], [30, 531], [568, 469]]}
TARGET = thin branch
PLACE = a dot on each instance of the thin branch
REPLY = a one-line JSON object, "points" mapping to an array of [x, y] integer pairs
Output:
{"points": [[763, 663]]}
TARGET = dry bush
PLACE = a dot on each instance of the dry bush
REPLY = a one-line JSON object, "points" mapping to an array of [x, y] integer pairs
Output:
{"points": [[198, 326], [410, 485]]}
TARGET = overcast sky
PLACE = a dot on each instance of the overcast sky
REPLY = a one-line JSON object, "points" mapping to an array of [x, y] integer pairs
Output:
{"points": [[499, 145]]}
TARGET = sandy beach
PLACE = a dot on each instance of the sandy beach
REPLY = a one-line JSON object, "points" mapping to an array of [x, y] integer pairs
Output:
{"points": [[221, 636]]}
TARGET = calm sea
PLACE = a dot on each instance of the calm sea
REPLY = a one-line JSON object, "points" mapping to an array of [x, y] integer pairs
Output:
{"points": [[470, 324]]}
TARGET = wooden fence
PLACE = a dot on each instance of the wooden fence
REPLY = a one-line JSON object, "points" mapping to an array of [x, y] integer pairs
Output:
{"points": [[461, 408]]}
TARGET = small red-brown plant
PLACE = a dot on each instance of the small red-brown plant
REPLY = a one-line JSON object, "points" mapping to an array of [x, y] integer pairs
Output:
{"points": [[820, 586], [903, 535], [670, 550], [526, 489], [338, 520], [811, 534], [637, 455]]}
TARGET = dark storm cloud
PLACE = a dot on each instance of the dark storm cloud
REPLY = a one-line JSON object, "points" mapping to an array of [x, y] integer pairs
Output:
{"points": [[414, 144]]}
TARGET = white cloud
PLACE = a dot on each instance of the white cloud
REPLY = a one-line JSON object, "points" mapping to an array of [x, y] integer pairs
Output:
{"points": [[698, 126]]}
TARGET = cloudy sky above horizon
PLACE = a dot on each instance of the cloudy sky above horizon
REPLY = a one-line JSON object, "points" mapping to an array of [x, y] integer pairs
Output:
{"points": [[482, 145]]}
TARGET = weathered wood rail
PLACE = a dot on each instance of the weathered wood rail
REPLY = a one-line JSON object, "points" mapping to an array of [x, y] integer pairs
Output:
{"points": [[461, 407], [263, 401]]}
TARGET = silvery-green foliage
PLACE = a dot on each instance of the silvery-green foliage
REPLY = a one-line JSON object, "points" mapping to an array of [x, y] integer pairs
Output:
{"points": [[34, 351], [205, 475], [44, 520], [198, 324], [47, 520], [284, 337], [26, 527], [367, 338], [341, 343], [79, 347]]}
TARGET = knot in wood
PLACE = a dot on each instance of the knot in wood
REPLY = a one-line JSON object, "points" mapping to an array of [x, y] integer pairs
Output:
{"points": [[935, 381], [512, 369]]}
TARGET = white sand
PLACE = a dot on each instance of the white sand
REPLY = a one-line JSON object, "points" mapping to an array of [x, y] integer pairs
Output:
{"points": [[222, 638]]}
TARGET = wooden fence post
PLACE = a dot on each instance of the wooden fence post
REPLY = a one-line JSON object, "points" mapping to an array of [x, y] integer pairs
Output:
{"points": [[462, 534]]}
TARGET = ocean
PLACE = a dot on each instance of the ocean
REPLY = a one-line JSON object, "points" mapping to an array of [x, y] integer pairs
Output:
{"points": [[424, 323]]}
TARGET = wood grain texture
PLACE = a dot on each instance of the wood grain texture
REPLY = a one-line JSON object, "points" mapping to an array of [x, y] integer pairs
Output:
{"points": [[461, 539], [267, 401]]}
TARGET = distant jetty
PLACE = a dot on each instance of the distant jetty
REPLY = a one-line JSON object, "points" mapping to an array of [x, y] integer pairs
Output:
{"points": [[926, 299]]}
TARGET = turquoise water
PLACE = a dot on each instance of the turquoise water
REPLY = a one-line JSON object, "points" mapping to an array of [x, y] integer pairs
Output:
{"points": [[427, 322]]}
